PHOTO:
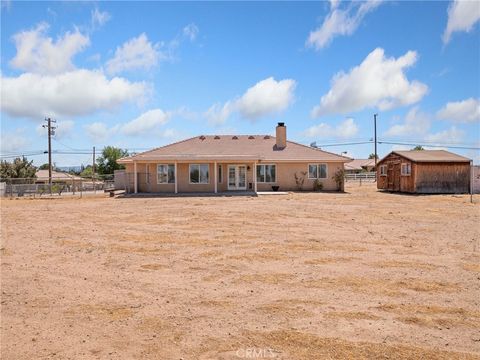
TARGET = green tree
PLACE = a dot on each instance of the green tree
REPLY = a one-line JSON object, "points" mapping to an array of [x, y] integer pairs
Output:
{"points": [[372, 156], [107, 163], [19, 168], [43, 167], [87, 172], [418, 147]]}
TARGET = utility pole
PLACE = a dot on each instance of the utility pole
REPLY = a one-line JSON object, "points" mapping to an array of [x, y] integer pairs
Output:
{"points": [[375, 139], [93, 170], [51, 131], [375, 136]]}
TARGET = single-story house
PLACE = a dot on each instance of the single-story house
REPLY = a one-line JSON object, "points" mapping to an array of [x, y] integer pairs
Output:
{"points": [[221, 163], [57, 177], [360, 165], [424, 172]]}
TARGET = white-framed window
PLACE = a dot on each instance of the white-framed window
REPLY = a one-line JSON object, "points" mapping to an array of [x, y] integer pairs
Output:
{"points": [[317, 171], [406, 169], [266, 173], [199, 174], [220, 174], [383, 170], [165, 173]]}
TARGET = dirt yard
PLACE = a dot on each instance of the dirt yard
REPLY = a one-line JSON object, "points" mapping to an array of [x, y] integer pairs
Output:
{"points": [[364, 275]]}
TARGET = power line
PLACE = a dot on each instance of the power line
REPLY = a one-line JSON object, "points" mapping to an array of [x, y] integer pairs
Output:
{"points": [[430, 145]]}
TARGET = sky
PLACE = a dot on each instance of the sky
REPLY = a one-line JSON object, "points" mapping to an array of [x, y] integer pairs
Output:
{"points": [[140, 75]]}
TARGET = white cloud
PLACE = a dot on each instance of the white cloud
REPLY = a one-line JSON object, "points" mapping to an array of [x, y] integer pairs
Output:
{"points": [[77, 92], [136, 53], [38, 53], [218, 114], [191, 31], [13, 141], [340, 22], [416, 123], [99, 18], [145, 123], [378, 82], [266, 97], [449, 136], [461, 111], [462, 16], [346, 129], [97, 131]]}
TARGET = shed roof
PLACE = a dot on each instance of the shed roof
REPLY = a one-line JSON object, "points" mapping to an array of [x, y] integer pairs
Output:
{"points": [[430, 156], [235, 147], [358, 164]]}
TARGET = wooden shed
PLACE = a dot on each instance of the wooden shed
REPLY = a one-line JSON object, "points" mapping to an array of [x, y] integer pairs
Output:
{"points": [[424, 172]]}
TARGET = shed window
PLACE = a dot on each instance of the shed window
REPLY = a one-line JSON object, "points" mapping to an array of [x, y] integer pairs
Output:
{"points": [[199, 174], [406, 169], [383, 170], [317, 171], [165, 173], [220, 174]]}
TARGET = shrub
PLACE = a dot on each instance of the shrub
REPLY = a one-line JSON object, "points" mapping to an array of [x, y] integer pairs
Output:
{"points": [[317, 185], [339, 178], [300, 179]]}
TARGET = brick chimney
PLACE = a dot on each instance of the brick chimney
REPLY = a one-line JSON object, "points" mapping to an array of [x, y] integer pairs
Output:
{"points": [[281, 135]]}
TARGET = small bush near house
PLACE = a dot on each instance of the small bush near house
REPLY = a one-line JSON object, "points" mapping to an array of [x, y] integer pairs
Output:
{"points": [[317, 185], [339, 178], [300, 179]]}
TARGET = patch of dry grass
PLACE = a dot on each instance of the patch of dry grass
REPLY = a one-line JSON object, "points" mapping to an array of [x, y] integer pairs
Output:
{"points": [[472, 267], [297, 345], [381, 286], [432, 315], [404, 264], [258, 256], [139, 250], [273, 278], [328, 260], [153, 266], [352, 315]]}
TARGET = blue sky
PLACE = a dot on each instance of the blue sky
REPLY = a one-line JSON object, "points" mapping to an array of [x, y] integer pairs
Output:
{"points": [[143, 74]]}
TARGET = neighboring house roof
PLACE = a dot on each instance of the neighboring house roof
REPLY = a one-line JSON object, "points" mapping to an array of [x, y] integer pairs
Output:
{"points": [[56, 175], [429, 156], [359, 164], [235, 147]]}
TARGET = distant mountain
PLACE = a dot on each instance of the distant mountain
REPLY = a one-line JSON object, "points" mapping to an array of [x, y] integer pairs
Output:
{"points": [[70, 168]]}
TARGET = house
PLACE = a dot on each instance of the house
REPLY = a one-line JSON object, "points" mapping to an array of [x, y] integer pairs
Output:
{"points": [[57, 177], [424, 172], [360, 165], [223, 163]]}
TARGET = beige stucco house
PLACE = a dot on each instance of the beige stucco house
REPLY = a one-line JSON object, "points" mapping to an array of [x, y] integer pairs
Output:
{"points": [[223, 163]]}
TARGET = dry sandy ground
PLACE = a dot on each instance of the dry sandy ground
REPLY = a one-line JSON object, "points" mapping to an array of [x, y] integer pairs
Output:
{"points": [[301, 276]]}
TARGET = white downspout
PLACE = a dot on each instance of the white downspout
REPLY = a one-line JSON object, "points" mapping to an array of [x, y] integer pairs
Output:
{"points": [[215, 175], [135, 182], [255, 176], [176, 179]]}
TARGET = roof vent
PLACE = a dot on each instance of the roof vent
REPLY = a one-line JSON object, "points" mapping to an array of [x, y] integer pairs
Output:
{"points": [[202, 137], [217, 137], [266, 137], [235, 137], [251, 137]]}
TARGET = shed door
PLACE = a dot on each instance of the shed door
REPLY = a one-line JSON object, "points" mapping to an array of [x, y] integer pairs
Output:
{"points": [[396, 177]]}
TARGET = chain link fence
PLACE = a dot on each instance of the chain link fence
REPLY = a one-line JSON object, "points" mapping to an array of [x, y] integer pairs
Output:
{"points": [[60, 186]]}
